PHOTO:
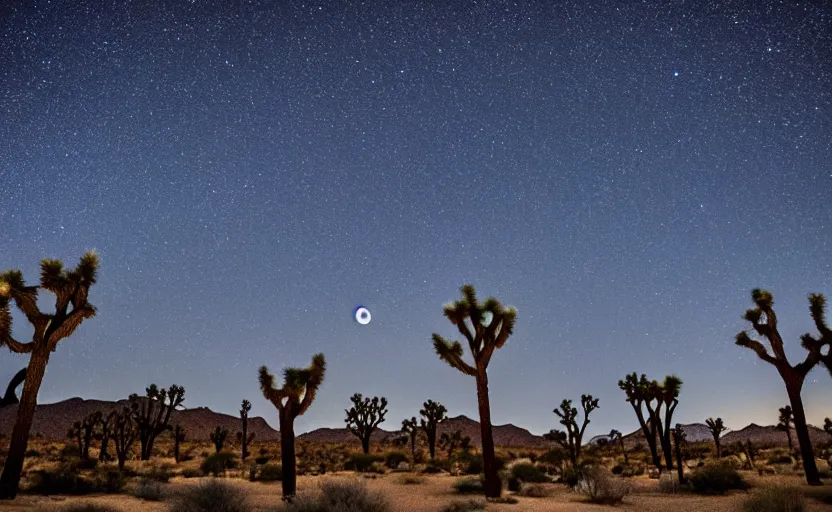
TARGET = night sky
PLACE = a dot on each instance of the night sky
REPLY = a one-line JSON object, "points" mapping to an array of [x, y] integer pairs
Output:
{"points": [[624, 173]]}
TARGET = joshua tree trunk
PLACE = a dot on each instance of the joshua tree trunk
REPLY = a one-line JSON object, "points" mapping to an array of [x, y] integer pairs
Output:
{"points": [[287, 453], [365, 444], [23, 423], [624, 450], [432, 444], [802, 431], [493, 488], [413, 448], [147, 448], [718, 452]]}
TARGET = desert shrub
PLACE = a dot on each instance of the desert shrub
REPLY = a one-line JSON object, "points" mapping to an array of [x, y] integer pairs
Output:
{"points": [[669, 484], [617, 469], [464, 506], [601, 487], [88, 507], [110, 481], [431, 469], [84, 464], [32, 453], [506, 500], [377, 468], [780, 459], [529, 473], [211, 496], [571, 476], [393, 458], [269, 473], [362, 461], [716, 478], [536, 490], [218, 463], [410, 480], [262, 460], [590, 461], [341, 496], [469, 485], [514, 484], [733, 461], [158, 474], [148, 489], [553, 457], [191, 473], [61, 481], [471, 463], [776, 499]]}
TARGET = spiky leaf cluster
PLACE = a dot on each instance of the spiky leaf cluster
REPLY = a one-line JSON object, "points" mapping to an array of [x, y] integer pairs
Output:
{"points": [[817, 344], [300, 385]]}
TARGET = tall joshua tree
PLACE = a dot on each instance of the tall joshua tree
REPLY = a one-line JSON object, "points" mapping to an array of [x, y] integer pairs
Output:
{"points": [[151, 413], [244, 437], [616, 437], [764, 321], [717, 428], [571, 439], [70, 288], [218, 437], [433, 413], [364, 417], [411, 428], [784, 423], [178, 438], [293, 399], [486, 327], [679, 439]]}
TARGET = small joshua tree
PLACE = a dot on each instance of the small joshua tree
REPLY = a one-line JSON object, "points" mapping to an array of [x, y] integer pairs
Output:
{"points": [[679, 440], [218, 437], [244, 438], [784, 423], [77, 434], [71, 288], [827, 426], [453, 442], [486, 327], [364, 417], [616, 437], [124, 433], [178, 439], [103, 436], [764, 322], [433, 413], [571, 440], [151, 413], [293, 399], [411, 428], [641, 394], [88, 430], [717, 428]]}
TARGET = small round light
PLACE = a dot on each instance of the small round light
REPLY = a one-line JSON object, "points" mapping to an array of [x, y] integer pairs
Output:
{"points": [[362, 315]]}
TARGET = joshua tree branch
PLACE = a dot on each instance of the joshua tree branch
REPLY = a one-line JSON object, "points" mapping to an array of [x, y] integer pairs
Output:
{"points": [[744, 340]]}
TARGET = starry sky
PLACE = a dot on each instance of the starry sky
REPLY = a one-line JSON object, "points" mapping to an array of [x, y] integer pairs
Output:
{"points": [[623, 173]]}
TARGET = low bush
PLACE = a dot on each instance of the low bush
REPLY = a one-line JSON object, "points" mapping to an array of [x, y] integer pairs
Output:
{"points": [[506, 500], [341, 496], [148, 489], [464, 506], [536, 491], [529, 473], [431, 469], [59, 482], [268, 473], [601, 487], [781, 459], [617, 469], [776, 499], [211, 496], [191, 473], [218, 463], [571, 476], [669, 484], [716, 478], [362, 462], [410, 480], [469, 485], [392, 459], [158, 474], [110, 481], [88, 507]]}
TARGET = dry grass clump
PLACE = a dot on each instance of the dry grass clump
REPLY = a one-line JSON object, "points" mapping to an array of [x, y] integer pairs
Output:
{"points": [[148, 489], [464, 506], [410, 480], [776, 498], [211, 495], [536, 490], [89, 507], [599, 486], [341, 496]]}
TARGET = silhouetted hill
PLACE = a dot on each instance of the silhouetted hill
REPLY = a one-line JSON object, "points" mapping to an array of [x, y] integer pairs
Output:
{"points": [[53, 420], [770, 435]]}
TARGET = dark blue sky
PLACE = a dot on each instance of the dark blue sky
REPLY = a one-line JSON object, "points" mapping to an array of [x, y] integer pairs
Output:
{"points": [[250, 172]]}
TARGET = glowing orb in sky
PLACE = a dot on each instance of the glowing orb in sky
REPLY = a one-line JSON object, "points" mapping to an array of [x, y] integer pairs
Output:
{"points": [[362, 315]]}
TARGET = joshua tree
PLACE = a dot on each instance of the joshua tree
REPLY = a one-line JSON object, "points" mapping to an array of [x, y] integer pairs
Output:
{"points": [[293, 399], [218, 437], [411, 428], [244, 437], [641, 393], [10, 398], [679, 439], [669, 396], [364, 417], [71, 288], [151, 413], [784, 423], [717, 428], [124, 434], [83, 432], [178, 438], [827, 426], [452, 442], [486, 327], [76, 433], [817, 308], [615, 436], [103, 435], [750, 452], [571, 439], [433, 413], [764, 321]]}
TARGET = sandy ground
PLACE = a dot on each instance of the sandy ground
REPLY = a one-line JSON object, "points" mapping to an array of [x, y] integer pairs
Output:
{"points": [[431, 495]]}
